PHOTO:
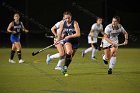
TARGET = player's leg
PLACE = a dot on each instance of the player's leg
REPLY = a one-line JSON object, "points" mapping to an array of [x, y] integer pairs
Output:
{"points": [[56, 55], [13, 50], [106, 47], [68, 56], [12, 54], [59, 64], [18, 47], [69, 52], [90, 41], [50, 57], [59, 55], [106, 55], [112, 59], [95, 47], [94, 50], [61, 51], [86, 51]]}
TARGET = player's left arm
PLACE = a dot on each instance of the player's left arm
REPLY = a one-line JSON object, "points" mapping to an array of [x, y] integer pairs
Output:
{"points": [[126, 37], [91, 34], [23, 28], [102, 32], [77, 30]]}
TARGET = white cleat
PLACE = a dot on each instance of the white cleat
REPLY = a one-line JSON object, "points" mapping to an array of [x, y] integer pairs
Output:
{"points": [[21, 61], [11, 61], [58, 68], [48, 60]]}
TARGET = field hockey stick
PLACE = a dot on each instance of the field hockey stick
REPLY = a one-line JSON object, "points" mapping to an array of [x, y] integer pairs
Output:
{"points": [[35, 53], [99, 37], [122, 44], [50, 36]]}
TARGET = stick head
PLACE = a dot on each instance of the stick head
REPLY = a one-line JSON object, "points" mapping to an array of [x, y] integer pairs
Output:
{"points": [[122, 44], [33, 54]]}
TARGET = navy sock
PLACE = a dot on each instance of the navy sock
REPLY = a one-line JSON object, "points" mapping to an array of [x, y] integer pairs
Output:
{"points": [[12, 54], [19, 54], [67, 60]]}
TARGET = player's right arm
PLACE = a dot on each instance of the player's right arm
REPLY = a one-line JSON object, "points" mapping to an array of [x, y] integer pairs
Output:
{"points": [[53, 29], [59, 33], [106, 36], [91, 34], [9, 28]]}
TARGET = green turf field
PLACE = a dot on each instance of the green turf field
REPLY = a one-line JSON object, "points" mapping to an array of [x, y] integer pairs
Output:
{"points": [[85, 75]]}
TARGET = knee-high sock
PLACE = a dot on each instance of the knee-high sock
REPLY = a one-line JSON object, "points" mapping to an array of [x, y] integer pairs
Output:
{"points": [[19, 54], [67, 60], [57, 55], [88, 50], [93, 52], [112, 62], [61, 60], [12, 54]]}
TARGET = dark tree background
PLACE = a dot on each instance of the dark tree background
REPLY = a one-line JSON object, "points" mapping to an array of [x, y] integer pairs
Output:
{"points": [[40, 15]]}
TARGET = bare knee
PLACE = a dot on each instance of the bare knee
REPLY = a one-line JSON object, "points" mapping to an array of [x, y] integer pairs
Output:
{"points": [[69, 52]]}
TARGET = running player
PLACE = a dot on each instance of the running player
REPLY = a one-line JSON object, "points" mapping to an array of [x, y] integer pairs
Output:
{"points": [[70, 31], [92, 38], [15, 28], [110, 41], [59, 47]]}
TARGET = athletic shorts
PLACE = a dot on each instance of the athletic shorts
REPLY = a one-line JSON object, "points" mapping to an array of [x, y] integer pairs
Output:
{"points": [[105, 44], [14, 39], [74, 42], [94, 40]]}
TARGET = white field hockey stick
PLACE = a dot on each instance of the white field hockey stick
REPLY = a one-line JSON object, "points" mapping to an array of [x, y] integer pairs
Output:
{"points": [[99, 37], [35, 53], [122, 44], [50, 36]]}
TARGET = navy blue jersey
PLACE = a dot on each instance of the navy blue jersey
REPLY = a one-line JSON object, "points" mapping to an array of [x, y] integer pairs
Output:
{"points": [[17, 28], [69, 30]]}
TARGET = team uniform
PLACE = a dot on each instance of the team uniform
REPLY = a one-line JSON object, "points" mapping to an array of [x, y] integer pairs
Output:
{"points": [[92, 39], [16, 37], [57, 25], [57, 55], [69, 30], [96, 30], [113, 35]]}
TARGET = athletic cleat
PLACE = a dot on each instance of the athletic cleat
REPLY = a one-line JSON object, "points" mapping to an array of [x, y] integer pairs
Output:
{"points": [[106, 62], [48, 60], [110, 71], [11, 61], [21, 61], [64, 70], [58, 68], [83, 54]]}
